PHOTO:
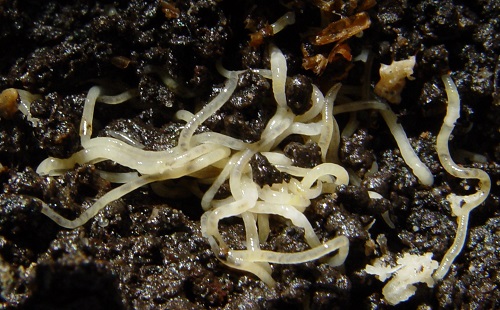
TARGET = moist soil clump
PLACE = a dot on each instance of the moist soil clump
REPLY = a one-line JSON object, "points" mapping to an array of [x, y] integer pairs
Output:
{"points": [[144, 251]]}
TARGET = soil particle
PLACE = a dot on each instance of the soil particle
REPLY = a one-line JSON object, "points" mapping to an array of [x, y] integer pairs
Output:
{"points": [[291, 239], [393, 176], [306, 155], [356, 151], [263, 172], [328, 215], [75, 286], [144, 135], [251, 89], [356, 199], [427, 231], [18, 148], [332, 289], [298, 93], [293, 294], [57, 128], [154, 92], [248, 111], [248, 296], [22, 240], [349, 224], [434, 61]]}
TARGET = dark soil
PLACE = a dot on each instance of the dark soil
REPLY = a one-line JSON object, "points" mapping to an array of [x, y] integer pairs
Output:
{"points": [[147, 252]]}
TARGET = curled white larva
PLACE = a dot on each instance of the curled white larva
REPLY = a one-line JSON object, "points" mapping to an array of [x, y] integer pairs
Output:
{"points": [[461, 206]]}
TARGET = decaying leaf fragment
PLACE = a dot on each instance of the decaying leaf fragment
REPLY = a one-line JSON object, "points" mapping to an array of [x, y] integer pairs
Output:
{"points": [[336, 32], [170, 10], [343, 29]]}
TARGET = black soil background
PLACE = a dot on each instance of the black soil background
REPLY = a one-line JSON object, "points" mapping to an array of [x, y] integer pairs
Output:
{"points": [[147, 252]]}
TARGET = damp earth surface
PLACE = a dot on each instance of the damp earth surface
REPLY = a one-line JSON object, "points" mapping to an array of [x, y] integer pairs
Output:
{"points": [[144, 251]]}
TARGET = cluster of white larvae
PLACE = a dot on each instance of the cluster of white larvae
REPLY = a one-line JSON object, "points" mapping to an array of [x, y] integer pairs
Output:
{"points": [[214, 158]]}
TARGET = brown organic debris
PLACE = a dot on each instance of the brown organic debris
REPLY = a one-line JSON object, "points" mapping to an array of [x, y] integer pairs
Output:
{"points": [[121, 62], [170, 10], [257, 38], [343, 29], [8, 103], [337, 32]]}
